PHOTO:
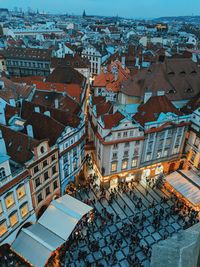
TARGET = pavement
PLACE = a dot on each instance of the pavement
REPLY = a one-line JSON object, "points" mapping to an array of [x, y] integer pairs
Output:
{"points": [[148, 236]]}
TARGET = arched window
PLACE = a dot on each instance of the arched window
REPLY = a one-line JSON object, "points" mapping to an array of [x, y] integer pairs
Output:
{"points": [[2, 173]]}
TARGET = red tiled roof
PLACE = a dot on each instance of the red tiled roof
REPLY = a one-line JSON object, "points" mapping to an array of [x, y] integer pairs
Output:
{"points": [[112, 120], [73, 90], [66, 74], [45, 127], [151, 110], [107, 79], [19, 146], [48, 99], [103, 108]]}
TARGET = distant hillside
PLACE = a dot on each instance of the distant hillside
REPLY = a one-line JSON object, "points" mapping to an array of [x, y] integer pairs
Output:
{"points": [[187, 19]]}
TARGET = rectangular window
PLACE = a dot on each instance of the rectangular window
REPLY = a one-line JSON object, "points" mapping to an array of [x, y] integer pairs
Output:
{"points": [[159, 154], [1, 209], [54, 170], [37, 182], [166, 151], [46, 175], [119, 135], [36, 169], [39, 198], [168, 141], [53, 158], [24, 210], [125, 153], [115, 146], [114, 167], [3, 229], [197, 142], [114, 156], [45, 163], [13, 219], [47, 190], [9, 201], [134, 162], [125, 134], [137, 143], [148, 157], [55, 185], [131, 133], [124, 164], [21, 192], [126, 144]]}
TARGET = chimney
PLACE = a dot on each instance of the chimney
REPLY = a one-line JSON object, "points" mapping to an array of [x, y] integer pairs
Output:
{"points": [[116, 75], [147, 96], [3, 149], [2, 115], [123, 59], [56, 103], [29, 130], [37, 109]]}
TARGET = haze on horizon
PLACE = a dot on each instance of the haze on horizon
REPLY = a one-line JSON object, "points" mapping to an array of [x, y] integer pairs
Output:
{"points": [[123, 8]]}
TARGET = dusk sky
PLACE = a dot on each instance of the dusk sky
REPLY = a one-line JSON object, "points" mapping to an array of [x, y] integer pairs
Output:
{"points": [[126, 8]]}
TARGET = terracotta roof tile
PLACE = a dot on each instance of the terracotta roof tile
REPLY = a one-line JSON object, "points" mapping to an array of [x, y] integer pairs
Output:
{"points": [[112, 120], [151, 110]]}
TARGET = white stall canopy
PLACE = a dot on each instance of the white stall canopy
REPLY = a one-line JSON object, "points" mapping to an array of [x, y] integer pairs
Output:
{"points": [[37, 242], [187, 183]]}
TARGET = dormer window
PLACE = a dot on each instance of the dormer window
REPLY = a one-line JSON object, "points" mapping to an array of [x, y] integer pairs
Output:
{"points": [[42, 149], [2, 174], [193, 72], [171, 73], [171, 91], [182, 72], [189, 90]]}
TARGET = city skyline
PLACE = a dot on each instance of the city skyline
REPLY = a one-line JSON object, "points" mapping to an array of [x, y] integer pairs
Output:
{"points": [[127, 8]]}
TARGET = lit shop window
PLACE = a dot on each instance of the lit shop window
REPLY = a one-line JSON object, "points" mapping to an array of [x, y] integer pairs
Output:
{"points": [[13, 219], [21, 192], [124, 164], [114, 167], [9, 201], [3, 228], [134, 163], [24, 210]]}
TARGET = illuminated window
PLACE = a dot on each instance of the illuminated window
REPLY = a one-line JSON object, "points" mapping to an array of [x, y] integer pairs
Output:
{"points": [[21, 192], [124, 164], [24, 210], [114, 167], [3, 228], [148, 157], [134, 162], [9, 201], [13, 219], [159, 154]]}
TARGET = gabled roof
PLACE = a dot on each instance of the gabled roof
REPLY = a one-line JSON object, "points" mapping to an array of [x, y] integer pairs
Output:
{"points": [[66, 74], [179, 78], [112, 120], [19, 145], [15, 91], [151, 110], [45, 127], [48, 99]]}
